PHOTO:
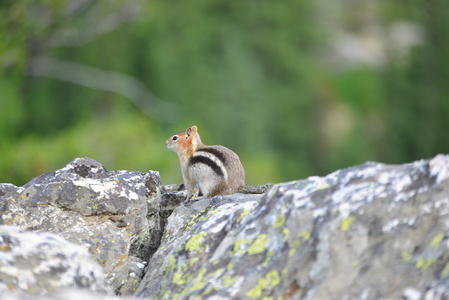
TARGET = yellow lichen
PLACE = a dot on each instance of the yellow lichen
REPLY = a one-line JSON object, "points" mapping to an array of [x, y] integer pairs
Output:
{"points": [[445, 271], [270, 280], [258, 246], [305, 235], [346, 223], [285, 234], [407, 255], [180, 278], [435, 243], [268, 259], [279, 221], [423, 264], [195, 241], [194, 260], [238, 244], [229, 280], [229, 267], [193, 219], [199, 282], [323, 186], [170, 265], [243, 215]]}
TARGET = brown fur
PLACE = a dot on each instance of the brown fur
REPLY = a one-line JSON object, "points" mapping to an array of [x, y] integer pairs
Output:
{"points": [[204, 172]]}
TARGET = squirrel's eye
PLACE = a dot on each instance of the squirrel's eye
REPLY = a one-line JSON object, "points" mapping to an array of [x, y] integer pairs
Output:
{"points": [[175, 138]]}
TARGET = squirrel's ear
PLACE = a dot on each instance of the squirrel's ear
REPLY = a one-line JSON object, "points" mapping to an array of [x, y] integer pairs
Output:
{"points": [[190, 129]]}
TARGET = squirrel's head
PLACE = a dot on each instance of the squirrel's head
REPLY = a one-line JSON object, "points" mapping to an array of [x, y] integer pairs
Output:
{"points": [[184, 142]]}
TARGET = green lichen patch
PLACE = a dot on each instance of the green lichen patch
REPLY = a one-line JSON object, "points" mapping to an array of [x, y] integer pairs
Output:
{"points": [[210, 214], [199, 281], [346, 223], [269, 281], [229, 280], [323, 186], [194, 260], [214, 212], [259, 245], [170, 265], [285, 234], [279, 221], [238, 244], [304, 235], [445, 271], [424, 264], [193, 220], [201, 216], [407, 255], [243, 215], [203, 279], [435, 243], [181, 277], [268, 259], [195, 242], [229, 267]]}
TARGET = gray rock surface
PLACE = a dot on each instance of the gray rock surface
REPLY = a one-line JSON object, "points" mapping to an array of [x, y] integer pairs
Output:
{"points": [[45, 262], [372, 231], [112, 214], [367, 232]]}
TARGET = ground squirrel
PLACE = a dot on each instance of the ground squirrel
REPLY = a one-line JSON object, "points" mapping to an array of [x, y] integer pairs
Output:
{"points": [[213, 170]]}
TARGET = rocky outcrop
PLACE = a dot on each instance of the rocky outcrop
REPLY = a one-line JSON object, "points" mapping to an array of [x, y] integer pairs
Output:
{"points": [[112, 214], [367, 232], [45, 262]]}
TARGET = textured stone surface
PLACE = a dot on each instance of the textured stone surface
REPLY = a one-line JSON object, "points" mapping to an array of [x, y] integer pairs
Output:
{"points": [[368, 232], [112, 214], [45, 262], [372, 231], [69, 294]]}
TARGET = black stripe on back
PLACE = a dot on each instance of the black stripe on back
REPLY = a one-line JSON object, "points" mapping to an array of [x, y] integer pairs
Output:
{"points": [[208, 162], [218, 154]]}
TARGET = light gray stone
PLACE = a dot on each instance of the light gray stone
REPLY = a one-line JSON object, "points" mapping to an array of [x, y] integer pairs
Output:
{"points": [[32, 262], [366, 232], [106, 212], [372, 231]]}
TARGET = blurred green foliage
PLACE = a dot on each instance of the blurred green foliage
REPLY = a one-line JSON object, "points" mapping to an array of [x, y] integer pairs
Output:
{"points": [[271, 80]]}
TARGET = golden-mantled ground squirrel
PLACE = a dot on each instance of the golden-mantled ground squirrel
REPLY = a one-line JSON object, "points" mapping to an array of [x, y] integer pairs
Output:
{"points": [[213, 170]]}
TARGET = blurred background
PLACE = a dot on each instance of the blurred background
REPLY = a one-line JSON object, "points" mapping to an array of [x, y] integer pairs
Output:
{"points": [[296, 88]]}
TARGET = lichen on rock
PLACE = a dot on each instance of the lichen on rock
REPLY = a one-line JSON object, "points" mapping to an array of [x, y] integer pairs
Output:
{"points": [[370, 231], [44, 262], [106, 212]]}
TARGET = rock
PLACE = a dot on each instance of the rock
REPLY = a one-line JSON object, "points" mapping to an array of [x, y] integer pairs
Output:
{"points": [[33, 262], [367, 232], [112, 214], [67, 294]]}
